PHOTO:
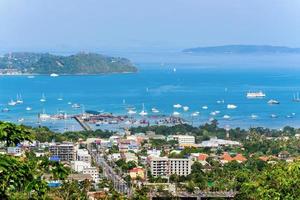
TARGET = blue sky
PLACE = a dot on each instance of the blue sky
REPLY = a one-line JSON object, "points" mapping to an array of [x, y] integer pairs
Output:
{"points": [[64, 25]]}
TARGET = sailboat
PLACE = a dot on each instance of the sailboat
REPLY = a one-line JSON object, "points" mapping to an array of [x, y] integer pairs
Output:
{"points": [[143, 112], [43, 99], [60, 98], [155, 110], [12, 103], [296, 97], [19, 99]]}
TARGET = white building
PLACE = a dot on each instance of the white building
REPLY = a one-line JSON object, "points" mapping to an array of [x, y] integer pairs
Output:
{"points": [[215, 142], [183, 139], [163, 166], [65, 151], [79, 166], [83, 155], [15, 151], [93, 171]]}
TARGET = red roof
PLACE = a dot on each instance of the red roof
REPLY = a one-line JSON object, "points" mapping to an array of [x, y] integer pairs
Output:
{"points": [[136, 169], [239, 157], [227, 157], [202, 156]]}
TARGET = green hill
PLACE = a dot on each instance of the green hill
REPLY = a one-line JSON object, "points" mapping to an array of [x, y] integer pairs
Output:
{"points": [[81, 63]]}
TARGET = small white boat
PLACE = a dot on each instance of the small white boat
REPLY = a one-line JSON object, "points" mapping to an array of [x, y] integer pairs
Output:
{"points": [[54, 75], [5, 110], [195, 114], [217, 112], [177, 106], [226, 117], [220, 101], [69, 103], [174, 69], [20, 119], [28, 108], [131, 112], [12, 103], [176, 113], [213, 113], [30, 76], [274, 116], [43, 99], [185, 108], [60, 98], [254, 116], [143, 112], [19, 99], [252, 95], [231, 106], [273, 102], [76, 106], [204, 107], [293, 114], [154, 110]]}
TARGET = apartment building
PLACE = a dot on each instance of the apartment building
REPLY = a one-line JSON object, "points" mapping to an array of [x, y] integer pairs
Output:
{"points": [[183, 139], [93, 171], [65, 151], [83, 155], [163, 166]]}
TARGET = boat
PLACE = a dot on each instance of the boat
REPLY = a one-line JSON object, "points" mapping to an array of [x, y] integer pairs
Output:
{"points": [[226, 117], [204, 107], [231, 106], [177, 106], [43, 116], [5, 110], [254, 116], [20, 119], [273, 116], [30, 76], [217, 112], [28, 108], [12, 103], [174, 69], [259, 94], [296, 97], [143, 112], [69, 103], [176, 113], [154, 110], [76, 106], [131, 112], [220, 101], [60, 98], [43, 99], [19, 99], [185, 108], [273, 101], [195, 114], [54, 75]]}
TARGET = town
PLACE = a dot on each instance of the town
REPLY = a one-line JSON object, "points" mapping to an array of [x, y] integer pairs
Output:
{"points": [[154, 162]]}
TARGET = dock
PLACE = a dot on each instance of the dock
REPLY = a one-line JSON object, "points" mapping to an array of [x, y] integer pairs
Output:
{"points": [[84, 125]]}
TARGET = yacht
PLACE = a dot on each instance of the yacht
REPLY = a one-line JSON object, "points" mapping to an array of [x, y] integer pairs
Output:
{"points": [[185, 108], [131, 112], [69, 103], [60, 98], [5, 110], [43, 99], [195, 114], [12, 103], [143, 112], [19, 99], [20, 119], [259, 94], [176, 113], [28, 108], [220, 101], [274, 116], [296, 97], [76, 106], [226, 117], [154, 110], [177, 106], [254, 116], [231, 106], [54, 75], [204, 107], [273, 101]]}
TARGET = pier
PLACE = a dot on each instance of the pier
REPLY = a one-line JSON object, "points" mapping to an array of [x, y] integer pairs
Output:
{"points": [[84, 125]]}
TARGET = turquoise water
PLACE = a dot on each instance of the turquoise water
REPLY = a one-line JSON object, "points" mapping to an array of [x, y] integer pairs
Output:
{"points": [[198, 81]]}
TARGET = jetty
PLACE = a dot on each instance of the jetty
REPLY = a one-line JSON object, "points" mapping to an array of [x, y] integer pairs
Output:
{"points": [[82, 123]]}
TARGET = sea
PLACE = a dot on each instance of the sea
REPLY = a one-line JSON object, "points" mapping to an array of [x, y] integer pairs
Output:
{"points": [[164, 79]]}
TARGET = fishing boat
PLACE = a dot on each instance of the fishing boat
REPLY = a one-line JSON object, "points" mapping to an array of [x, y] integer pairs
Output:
{"points": [[177, 106], [185, 108], [273, 101], [43, 99], [231, 106], [259, 94]]}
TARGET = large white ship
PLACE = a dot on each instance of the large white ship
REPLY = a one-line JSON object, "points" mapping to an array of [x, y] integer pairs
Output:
{"points": [[259, 94]]}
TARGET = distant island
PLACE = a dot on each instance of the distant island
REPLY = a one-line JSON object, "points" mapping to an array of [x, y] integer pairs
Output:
{"points": [[242, 49], [45, 63]]}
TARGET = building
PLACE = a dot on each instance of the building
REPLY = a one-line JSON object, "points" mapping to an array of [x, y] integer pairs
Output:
{"points": [[129, 157], [163, 166], [215, 142], [226, 158], [14, 151], [83, 155], [137, 172], [65, 151], [93, 171], [79, 166], [184, 139]]}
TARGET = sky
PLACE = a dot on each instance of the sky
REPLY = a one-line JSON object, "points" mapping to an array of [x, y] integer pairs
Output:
{"points": [[143, 25]]}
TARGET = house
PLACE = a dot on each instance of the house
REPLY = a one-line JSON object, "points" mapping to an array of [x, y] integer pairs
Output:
{"points": [[83, 155], [226, 157], [93, 172], [129, 157], [79, 166], [137, 172], [283, 155], [14, 151]]}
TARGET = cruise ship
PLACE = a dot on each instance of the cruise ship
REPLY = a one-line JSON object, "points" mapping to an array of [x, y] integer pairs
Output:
{"points": [[259, 94]]}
